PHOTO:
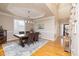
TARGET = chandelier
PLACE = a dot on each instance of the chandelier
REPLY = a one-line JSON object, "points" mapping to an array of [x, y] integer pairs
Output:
{"points": [[28, 19]]}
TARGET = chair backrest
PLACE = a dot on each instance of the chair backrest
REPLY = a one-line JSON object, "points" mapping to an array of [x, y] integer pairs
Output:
{"points": [[21, 32], [36, 36], [31, 36], [27, 32]]}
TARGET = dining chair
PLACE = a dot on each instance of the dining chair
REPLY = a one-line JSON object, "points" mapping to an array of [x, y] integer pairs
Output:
{"points": [[21, 32], [30, 38], [27, 32], [36, 36]]}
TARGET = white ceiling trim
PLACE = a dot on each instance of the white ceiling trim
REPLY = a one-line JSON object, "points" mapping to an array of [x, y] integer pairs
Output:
{"points": [[24, 11], [6, 14]]}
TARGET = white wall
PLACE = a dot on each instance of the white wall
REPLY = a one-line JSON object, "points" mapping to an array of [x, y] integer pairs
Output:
{"points": [[7, 23], [49, 30]]}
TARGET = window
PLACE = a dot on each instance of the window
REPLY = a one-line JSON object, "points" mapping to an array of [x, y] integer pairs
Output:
{"points": [[19, 25]]}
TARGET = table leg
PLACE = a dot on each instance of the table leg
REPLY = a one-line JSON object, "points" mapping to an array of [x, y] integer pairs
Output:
{"points": [[21, 42]]}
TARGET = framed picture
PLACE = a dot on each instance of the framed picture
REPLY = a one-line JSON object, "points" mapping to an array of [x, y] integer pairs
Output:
{"points": [[41, 26]]}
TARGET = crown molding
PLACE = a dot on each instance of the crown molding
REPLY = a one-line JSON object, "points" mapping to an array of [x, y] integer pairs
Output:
{"points": [[6, 14], [9, 15]]}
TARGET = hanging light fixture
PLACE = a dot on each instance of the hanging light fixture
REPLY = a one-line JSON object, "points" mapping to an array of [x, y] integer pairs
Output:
{"points": [[28, 19]]}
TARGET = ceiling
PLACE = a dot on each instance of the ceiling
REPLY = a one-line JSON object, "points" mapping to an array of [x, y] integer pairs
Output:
{"points": [[37, 10], [61, 10]]}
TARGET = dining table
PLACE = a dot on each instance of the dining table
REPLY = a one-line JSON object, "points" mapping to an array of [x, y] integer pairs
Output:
{"points": [[21, 36]]}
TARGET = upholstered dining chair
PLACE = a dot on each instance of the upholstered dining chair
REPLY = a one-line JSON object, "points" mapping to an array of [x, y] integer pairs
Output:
{"points": [[27, 32], [21, 32], [36, 36], [30, 38]]}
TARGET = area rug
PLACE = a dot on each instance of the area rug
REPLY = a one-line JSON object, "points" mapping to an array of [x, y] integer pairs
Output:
{"points": [[14, 49]]}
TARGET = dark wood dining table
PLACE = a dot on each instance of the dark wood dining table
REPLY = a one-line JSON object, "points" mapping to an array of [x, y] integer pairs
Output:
{"points": [[21, 36]]}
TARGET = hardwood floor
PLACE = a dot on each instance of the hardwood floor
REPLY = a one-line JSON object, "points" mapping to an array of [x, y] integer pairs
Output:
{"points": [[1, 51], [50, 49]]}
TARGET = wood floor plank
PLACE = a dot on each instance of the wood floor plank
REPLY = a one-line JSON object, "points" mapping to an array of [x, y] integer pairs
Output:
{"points": [[51, 49], [1, 51]]}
